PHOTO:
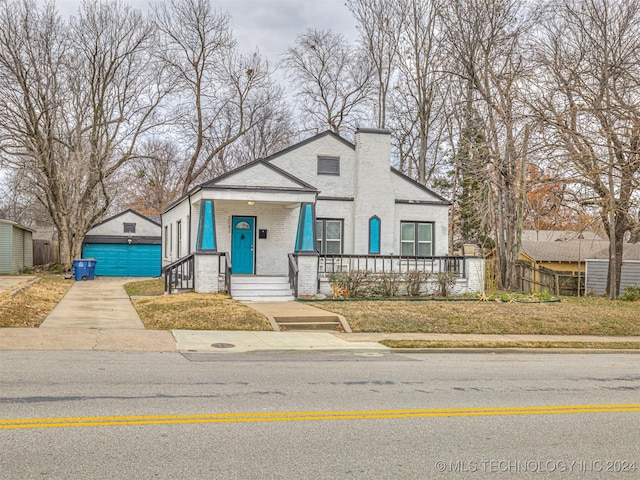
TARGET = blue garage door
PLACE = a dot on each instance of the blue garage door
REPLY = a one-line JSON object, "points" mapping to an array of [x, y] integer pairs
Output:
{"points": [[116, 260]]}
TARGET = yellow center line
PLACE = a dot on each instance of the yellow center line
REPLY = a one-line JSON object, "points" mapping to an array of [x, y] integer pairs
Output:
{"points": [[105, 421]]}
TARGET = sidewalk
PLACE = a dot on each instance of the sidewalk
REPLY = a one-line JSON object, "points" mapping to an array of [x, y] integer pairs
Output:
{"points": [[98, 315]]}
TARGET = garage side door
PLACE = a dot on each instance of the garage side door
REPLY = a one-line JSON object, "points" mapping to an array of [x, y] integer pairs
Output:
{"points": [[117, 260]]}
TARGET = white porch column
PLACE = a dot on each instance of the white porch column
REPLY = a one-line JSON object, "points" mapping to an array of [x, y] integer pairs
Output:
{"points": [[307, 274], [206, 268], [474, 268]]}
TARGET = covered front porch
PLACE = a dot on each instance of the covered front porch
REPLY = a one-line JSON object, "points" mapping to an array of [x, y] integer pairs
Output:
{"points": [[247, 247]]}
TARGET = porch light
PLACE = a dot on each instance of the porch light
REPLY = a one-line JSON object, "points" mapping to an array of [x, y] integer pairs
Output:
{"points": [[250, 202]]}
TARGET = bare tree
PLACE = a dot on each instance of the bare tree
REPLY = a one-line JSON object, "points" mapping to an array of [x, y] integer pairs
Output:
{"points": [[588, 54], [380, 23], [152, 180], [77, 96], [420, 91], [486, 44], [333, 80], [221, 95]]}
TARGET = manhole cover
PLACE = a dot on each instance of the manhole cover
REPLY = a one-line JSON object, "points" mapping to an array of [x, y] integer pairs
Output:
{"points": [[222, 345]]}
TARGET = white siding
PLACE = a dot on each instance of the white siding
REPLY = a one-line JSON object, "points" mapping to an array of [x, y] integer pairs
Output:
{"points": [[115, 226], [302, 163], [438, 214], [342, 210], [258, 175], [179, 213]]}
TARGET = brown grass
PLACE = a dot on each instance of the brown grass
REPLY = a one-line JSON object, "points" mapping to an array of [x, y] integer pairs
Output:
{"points": [[30, 306], [196, 311], [145, 288], [571, 316], [454, 344]]}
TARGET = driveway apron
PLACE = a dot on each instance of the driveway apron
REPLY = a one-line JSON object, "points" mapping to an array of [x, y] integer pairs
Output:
{"points": [[101, 303]]}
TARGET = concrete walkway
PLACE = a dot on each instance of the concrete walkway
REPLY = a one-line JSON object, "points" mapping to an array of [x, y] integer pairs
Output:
{"points": [[99, 303], [10, 282], [98, 315]]}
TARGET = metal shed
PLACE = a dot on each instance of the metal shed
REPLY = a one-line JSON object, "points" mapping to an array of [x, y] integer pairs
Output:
{"points": [[16, 247], [597, 268], [125, 245]]}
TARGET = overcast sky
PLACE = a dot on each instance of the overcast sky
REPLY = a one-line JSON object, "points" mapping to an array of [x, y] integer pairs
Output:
{"points": [[269, 25]]}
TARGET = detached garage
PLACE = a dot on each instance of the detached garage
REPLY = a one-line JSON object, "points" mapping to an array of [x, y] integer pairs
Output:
{"points": [[125, 245], [16, 247]]}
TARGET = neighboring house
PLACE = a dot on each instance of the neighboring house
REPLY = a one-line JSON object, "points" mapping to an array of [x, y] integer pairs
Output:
{"points": [[598, 266], [317, 206], [125, 245], [561, 256], [16, 247]]}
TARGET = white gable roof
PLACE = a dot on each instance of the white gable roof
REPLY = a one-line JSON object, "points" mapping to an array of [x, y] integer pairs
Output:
{"points": [[259, 174], [114, 225], [410, 191]]}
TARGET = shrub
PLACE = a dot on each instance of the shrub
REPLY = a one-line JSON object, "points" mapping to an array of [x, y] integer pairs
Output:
{"points": [[387, 284], [415, 279], [349, 284], [631, 294], [445, 282]]}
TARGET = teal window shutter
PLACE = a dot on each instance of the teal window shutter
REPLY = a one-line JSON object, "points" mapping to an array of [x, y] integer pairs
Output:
{"points": [[206, 227], [374, 234]]}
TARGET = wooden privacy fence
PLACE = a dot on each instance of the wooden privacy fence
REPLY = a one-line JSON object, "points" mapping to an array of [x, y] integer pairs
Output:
{"points": [[45, 252], [532, 279]]}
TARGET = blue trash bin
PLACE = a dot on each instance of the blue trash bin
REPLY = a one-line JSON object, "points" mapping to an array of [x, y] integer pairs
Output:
{"points": [[84, 269]]}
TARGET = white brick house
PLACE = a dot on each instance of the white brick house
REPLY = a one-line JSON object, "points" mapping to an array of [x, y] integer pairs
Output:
{"points": [[317, 204]]}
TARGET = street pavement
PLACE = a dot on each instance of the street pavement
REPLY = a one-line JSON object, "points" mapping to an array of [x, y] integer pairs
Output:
{"points": [[98, 315]]}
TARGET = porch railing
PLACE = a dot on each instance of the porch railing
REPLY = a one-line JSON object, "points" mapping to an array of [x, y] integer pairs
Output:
{"points": [[179, 275], [293, 274], [336, 263], [224, 265]]}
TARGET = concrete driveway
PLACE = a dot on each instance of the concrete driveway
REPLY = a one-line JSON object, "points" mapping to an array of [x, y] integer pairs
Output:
{"points": [[8, 282], [100, 303]]}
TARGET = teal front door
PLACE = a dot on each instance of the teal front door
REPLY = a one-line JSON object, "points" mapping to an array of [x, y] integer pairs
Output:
{"points": [[243, 245]]}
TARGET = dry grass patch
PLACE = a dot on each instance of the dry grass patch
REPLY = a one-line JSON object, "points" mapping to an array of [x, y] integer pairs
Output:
{"points": [[197, 311], [145, 288], [454, 344], [571, 316], [30, 306]]}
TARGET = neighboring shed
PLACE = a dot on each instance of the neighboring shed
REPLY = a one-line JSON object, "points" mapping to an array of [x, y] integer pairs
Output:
{"points": [[125, 245], [597, 268], [16, 247]]}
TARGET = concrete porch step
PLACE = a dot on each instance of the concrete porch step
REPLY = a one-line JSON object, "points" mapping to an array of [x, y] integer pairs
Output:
{"points": [[316, 322], [262, 298], [258, 288], [290, 316]]}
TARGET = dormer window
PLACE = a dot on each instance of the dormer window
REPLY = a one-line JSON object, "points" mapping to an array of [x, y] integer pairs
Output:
{"points": [[328, 165]]}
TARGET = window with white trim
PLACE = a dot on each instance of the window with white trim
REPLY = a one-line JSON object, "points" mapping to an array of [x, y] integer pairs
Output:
{"points": [[416, 239], [328, 235]]}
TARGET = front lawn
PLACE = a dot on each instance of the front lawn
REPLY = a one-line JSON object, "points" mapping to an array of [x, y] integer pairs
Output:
{"points": [[570, 316], [31, 305]]}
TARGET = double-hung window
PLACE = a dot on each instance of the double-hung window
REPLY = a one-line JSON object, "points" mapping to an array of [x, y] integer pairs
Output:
{"points": [[416, 238], [328, 235]]}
